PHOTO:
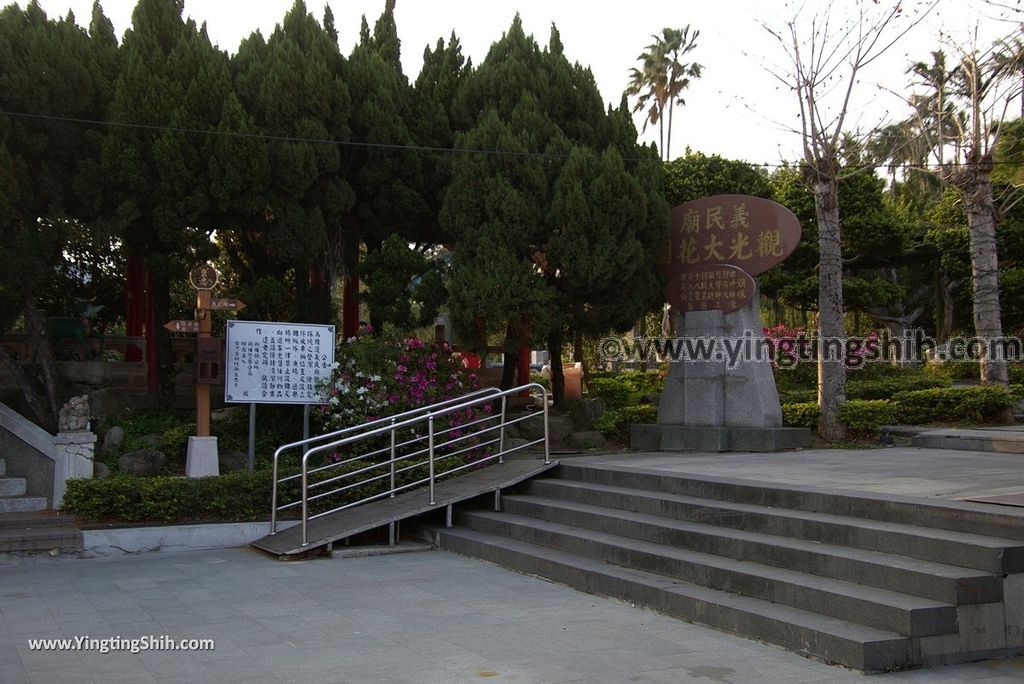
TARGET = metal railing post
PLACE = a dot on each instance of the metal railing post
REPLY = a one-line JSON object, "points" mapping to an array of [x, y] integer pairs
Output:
{"points": [[392, 458], [430, 455], [273, 501], [501, 438], [305, 500], [547, 442]]}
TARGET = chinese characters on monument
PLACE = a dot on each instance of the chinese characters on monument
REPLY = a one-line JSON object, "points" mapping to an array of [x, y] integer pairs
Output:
{"points": [[277, 363], [717, 243]]}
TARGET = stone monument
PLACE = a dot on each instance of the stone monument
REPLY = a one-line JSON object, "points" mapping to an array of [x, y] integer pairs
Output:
{"points": [[726, 400]]}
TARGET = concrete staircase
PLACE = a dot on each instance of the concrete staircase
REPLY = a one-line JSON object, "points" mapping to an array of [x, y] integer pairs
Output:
{"points": [[12, 494], [27, 526], [870, 582]]}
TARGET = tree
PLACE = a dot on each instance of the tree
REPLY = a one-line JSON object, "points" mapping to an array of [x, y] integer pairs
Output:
{"points": [[960, 118], [51, 68], [547, 214], [822, 59], [660, 81]]}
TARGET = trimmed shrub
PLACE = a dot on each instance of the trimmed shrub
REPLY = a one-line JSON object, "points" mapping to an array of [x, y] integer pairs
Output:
{"points": [[886, 386], [798, 396], [624, 389], [612, 391], [641, 413], [608, 422], [616, 422], [124, 498], [981, 404], [805, 414], [866, 416]]}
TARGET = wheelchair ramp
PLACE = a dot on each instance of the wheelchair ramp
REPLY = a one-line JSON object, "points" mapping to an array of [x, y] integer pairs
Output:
{"points": [[352, 521]]}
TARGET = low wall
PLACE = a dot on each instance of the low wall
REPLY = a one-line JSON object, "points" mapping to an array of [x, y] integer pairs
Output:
{"points": [[28, 452], [124, 540]]}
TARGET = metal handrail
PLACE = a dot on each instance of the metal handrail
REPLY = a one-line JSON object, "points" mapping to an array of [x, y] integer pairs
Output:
{"points": [[428, 416], [488, 391]]}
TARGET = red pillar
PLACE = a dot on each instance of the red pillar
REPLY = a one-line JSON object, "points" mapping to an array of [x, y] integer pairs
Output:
{"points": [[152, 372]]}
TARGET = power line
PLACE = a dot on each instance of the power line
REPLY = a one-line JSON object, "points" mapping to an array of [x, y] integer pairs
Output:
{"points": [[409, 147]]}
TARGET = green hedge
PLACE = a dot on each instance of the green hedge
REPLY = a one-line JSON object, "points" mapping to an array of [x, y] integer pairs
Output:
{"points": [[981, 404], [803, 414], [886, 386], [125, 498], [946, 404], [865, 416], [234, 497]]}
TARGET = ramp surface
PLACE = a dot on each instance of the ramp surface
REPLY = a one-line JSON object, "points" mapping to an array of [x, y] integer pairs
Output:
{"points": [[352, 521]]}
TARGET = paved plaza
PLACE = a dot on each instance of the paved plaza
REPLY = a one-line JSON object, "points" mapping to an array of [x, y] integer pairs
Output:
{"points": [[415, 617]]}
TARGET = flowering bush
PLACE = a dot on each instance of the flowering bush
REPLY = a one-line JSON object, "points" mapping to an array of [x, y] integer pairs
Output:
{"points": [[378, 377]]}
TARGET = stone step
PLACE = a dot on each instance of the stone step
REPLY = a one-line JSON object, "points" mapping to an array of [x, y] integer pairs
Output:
{"points": [[958, 516], [830, 639], [12, 486], [40, 539], [1001, 441], [990, 554], [939, 582], [36, 519], [886, 610], [22, 504]]}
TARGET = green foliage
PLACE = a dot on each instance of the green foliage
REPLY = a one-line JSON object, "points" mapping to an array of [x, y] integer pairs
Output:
{"points": [[798, 396], [982, 404], [232, 497], [696, 175], [864, 417], [615, 422], [541, 380], [623, 389], [405, 288], [614, 393], [641, 413], [886, 386], [805, 415]]}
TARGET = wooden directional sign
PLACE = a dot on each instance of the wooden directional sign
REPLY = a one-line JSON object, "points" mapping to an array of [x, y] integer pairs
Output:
{"points": [[227, 304], [182, 326]]}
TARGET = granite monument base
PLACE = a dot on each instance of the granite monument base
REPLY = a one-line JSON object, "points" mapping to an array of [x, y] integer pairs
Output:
{"points": [[661, 437]]}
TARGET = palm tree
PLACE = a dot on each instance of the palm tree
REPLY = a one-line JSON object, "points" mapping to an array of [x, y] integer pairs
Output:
{"points": [[659, 82]]}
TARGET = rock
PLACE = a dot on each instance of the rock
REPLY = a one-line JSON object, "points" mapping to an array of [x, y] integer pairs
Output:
{"points": [[559, 428], [591, 439], [142, 462], [651, 398], [233, 460], [585, 411], [100, 471], [113, 440], [515, 442], [109, 402], [228, 413], [74, 415]]}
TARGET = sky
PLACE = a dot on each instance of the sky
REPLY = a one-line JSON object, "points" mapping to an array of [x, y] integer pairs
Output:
{"points": [[738, 109]]}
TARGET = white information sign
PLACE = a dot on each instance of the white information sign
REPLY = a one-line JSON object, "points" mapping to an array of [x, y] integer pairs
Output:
{"points": [[277, 363]]}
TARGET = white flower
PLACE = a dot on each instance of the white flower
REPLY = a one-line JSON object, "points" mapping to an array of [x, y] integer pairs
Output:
{"points": [[334, 366], [361, 390], [375, 378], [334, 401]]}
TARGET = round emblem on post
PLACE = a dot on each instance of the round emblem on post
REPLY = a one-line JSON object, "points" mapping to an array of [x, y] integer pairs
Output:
{"points": [[203, 277]]}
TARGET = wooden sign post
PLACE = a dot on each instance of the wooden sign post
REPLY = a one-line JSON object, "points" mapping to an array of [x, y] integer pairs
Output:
{"points": [[202, 448]]}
